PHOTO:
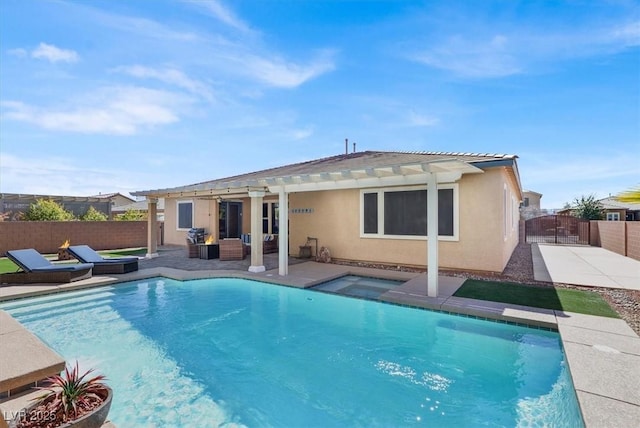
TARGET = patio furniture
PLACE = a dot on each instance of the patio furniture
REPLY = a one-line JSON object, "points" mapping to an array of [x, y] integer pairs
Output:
{"points": [[36, 269], [209, 251], [269, 243], [231, 249], [102, 265], [195, 236]]}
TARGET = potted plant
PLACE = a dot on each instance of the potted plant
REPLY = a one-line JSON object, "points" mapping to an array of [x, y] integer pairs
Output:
{"points": [[72, 400]]}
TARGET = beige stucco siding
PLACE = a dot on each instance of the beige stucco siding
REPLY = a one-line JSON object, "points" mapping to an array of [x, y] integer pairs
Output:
{"points": [[487, 229], [335, 221]]}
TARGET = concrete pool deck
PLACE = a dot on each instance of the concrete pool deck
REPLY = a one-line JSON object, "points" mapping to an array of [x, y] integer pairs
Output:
{"points": [[603, 354]]}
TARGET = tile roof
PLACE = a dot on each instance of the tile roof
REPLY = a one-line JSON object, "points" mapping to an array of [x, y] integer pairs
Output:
{"points": [[365, 159], [612, 203], [345, 162]]}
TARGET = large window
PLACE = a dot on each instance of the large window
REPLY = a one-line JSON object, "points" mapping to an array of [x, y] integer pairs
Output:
{"points": [[403, 213], [185, 215]]}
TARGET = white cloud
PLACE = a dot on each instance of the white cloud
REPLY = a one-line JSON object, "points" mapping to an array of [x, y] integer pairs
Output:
{"points": [[495, 55], [281, 73], [171, 76], [466, 58], [59, 176], [300, 134], [19, 52], [422, 120], [112, 110], [216, 9], [54, 54]]}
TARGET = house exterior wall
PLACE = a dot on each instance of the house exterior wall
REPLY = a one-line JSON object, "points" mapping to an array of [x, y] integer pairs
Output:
{"points": [[488, 225], [335, 220]]}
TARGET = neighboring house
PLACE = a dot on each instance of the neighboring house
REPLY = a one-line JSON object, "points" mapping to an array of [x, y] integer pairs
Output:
{"points": [[116, 199], [530, 207], [12, 205], [365, 206], [138, 206], [613, 210]]}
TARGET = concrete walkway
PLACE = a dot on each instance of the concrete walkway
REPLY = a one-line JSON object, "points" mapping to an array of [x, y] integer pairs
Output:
{"points": [[584, 265]]}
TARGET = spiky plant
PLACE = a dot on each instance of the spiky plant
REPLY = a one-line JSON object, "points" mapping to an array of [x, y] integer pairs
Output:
{"points": [[71, 395]]}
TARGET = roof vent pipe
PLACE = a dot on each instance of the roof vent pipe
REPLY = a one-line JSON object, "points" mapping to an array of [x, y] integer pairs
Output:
{"points": [[346, 146]]}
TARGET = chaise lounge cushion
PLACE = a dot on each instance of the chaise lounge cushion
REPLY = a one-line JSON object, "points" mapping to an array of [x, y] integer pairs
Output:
{"points": [[30, 260], [102, 265], [36, 269]]}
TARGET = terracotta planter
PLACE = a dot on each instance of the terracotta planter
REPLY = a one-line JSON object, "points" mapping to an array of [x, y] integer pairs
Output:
{"points": [[95, 419]]}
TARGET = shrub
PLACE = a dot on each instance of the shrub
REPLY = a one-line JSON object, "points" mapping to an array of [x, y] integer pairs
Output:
{"points": [[47, 210], [132, 215], [93, 214]]}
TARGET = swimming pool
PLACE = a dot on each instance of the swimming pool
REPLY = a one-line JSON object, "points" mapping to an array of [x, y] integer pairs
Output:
{"points": [[236, 352]]}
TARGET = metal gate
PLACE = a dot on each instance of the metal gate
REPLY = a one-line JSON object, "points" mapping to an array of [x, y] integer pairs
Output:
{"points": [[557, 229]]}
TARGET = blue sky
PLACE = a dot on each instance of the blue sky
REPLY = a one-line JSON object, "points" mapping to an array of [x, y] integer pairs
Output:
{"points": [[118, 96]]}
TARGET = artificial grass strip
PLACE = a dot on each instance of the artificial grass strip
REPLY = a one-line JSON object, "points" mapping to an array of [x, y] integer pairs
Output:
{"points": [[127, 252], [562, 299], [7, 266]]}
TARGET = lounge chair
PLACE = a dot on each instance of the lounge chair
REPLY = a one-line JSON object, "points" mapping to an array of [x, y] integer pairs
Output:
{"points": [[35, 269], [86, 254]]}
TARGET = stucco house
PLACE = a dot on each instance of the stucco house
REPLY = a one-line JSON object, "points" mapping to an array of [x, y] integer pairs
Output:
{"points": [[530, 207], [368, 206]]}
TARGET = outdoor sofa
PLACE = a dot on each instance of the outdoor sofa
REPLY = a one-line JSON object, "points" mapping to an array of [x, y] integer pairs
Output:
{"points": [[101, 265], [36, 269]]}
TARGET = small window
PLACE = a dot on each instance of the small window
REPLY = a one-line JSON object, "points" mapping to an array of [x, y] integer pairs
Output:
{"points": [[526, 202], [370, 213], [185, 215], [613, 216]]}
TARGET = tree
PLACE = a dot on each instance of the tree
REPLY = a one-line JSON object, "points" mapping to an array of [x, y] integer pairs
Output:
{"points": [[93, 214], [47, 210], [587, 207], [132, 215], [631, 196]]}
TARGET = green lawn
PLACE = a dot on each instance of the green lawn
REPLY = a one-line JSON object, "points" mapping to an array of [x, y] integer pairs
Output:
{"points": [[564, 299], [7, 266]]}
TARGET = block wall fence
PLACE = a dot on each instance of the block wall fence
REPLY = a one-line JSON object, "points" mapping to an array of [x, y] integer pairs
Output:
{"points": [[47, 236], [622, 237]]}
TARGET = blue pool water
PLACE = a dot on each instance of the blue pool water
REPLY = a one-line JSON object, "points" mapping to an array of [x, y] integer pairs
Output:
{"points": [[233, 352]]}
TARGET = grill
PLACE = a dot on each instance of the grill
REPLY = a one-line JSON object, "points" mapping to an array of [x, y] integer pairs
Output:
{"points": [[195, 235]]}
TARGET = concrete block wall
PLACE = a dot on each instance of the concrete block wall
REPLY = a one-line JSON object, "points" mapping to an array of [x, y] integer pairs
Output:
{"points": [[633, 239], [622, 237], [47, 236], [612, 236]]}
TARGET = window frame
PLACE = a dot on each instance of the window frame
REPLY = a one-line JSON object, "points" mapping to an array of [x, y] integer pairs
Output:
{"points": [[184, 202], [613, 216], [380, 204]]}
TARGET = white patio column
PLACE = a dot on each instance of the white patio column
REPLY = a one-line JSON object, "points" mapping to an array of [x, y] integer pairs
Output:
{"points": [[257, 261], [152, 228], [432, 234], [283, 233]]}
